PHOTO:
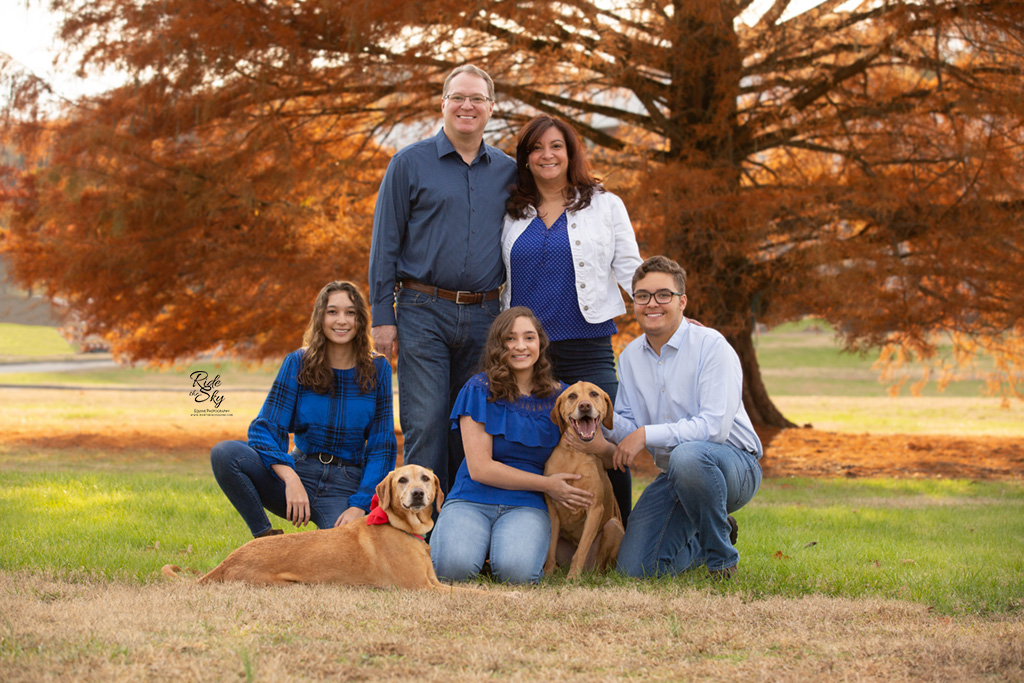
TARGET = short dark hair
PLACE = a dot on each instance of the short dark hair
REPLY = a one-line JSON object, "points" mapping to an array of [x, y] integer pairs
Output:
{"points": [[473, 70], [661, 264]]}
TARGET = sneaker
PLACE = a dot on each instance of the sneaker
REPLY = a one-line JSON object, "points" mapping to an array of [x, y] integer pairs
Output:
{"points": [[734, 529]]}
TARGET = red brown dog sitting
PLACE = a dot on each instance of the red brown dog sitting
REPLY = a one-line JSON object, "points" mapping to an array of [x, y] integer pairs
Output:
{"points": [[583, 407]]}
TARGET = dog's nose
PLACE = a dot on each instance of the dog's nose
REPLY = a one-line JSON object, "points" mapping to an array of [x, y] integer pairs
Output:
{"points": [[585, 405], [417, 495]]}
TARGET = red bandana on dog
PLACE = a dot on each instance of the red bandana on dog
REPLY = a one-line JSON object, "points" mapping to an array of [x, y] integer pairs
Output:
{"points": [[379, 516]]}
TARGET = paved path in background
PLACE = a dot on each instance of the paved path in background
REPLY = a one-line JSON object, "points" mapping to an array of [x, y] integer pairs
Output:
{"points": [[55, 366]]}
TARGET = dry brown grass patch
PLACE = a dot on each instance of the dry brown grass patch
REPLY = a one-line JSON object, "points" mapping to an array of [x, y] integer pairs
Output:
{"points": [[180, 631]]}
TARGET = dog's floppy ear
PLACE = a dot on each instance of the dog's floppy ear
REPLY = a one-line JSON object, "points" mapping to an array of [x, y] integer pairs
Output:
{"points": [[438, 493], [556, 413], [384, 492], [609, 412]]}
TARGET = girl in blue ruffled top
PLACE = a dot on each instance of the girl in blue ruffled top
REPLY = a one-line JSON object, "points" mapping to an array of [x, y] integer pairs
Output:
{"points": [[496, 507], [334, 395]]}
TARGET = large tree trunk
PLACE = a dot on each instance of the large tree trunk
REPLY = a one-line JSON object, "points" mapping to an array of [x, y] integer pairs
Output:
{"points": [[760, 408], [706, 67]]}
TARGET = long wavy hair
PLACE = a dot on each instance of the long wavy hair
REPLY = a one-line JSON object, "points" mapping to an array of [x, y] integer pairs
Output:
{"points": [[496, 358], [580, 186], [316, 370]]}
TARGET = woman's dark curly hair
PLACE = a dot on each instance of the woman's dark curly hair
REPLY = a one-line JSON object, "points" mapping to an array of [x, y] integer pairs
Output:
{"points": [[316, 370], [580, 185], [496, 355]]}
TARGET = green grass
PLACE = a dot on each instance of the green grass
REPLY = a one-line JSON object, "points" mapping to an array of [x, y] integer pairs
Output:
{"points": [[804, 358], [33, 341], [953, 545], [114, 524]]}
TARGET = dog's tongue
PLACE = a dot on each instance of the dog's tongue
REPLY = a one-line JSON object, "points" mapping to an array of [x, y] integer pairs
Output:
{"points": [[586, 428]]}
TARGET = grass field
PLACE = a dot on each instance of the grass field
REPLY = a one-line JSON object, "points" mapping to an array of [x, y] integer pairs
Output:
{"points": [[879, 539], [873, 579], [32, 341]]}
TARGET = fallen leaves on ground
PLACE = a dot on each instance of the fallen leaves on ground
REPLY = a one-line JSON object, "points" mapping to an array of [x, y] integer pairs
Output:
{"points": [[788, 453]]}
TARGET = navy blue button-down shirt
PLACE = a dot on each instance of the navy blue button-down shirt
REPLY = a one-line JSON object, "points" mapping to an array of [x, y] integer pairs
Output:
{"points": [[438, 220]]}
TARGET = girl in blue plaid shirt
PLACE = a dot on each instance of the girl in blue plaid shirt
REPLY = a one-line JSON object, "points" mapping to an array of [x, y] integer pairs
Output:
{"points": [[334, 397]]}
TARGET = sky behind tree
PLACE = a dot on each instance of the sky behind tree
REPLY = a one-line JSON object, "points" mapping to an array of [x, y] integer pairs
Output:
{"points": [[27, 35], [28, 30]]}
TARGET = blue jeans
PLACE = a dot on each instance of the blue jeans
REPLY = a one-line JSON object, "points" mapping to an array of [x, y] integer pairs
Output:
{"points": [[251, 487], [680, 520], [439, 347], [592, 360], [515, 537]]}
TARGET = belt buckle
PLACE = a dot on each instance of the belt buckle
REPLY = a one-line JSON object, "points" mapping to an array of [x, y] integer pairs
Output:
{"points": [[321, 456], [458, 297]]}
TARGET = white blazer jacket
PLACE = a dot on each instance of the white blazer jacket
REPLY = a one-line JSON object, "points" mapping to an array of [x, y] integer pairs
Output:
{"points": [[604, 255]]}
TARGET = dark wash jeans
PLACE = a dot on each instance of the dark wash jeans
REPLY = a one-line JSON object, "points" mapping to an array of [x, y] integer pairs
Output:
{"points": [[251, 487], [440, 344], [680, 520]]}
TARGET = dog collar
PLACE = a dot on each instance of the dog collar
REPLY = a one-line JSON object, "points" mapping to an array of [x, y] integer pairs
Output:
{"points": [[379, 516]]}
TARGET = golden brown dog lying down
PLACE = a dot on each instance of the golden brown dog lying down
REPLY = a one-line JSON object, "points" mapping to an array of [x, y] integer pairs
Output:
{"points": [[582, 408], [358, 554]]}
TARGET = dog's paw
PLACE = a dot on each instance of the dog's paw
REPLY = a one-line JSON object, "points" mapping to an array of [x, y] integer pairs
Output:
{"points": [[171, 571]]}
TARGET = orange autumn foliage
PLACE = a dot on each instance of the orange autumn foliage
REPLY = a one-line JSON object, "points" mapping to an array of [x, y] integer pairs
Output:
{"points": [[861, 162]]}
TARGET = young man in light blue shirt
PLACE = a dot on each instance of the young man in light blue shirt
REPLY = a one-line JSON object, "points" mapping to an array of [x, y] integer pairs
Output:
{"points": [[680, 396]]}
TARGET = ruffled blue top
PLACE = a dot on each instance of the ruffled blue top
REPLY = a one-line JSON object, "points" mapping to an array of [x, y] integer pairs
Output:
{"points": [[523, 437]]}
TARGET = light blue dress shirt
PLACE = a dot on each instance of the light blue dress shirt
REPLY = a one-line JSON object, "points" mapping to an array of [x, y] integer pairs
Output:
{"points": [[693, 391]]}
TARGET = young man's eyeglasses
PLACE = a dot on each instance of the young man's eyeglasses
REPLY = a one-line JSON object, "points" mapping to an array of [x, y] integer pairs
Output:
{"points": [[662, 296], [475, 100]]}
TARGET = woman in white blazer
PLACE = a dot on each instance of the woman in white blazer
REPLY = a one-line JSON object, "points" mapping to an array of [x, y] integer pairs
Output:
{"points": [[568, 245]]}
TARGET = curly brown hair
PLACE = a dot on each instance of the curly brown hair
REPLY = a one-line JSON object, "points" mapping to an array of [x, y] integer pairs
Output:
{"points": [[580, 186], [316, 370], [495, 358]]}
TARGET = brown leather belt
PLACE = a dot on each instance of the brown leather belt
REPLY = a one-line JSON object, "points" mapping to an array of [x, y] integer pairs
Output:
{"points": [[460, 297]]}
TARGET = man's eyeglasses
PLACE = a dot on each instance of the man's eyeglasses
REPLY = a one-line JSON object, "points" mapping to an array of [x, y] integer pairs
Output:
{"points": [[662, 296], [475, 100]]}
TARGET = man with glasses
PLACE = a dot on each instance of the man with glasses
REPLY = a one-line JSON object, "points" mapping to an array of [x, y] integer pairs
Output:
{"points": [[680, 396], [435, 264]]}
